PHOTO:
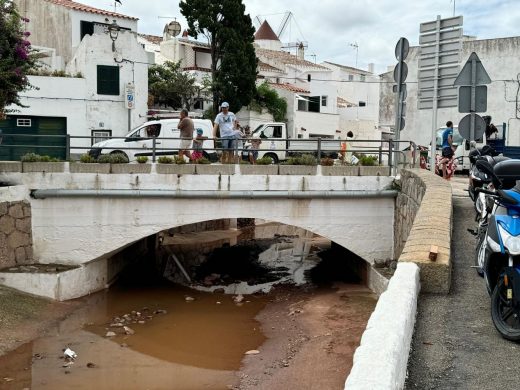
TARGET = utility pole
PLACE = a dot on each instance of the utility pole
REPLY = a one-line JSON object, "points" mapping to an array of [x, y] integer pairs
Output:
{"points": [[454, 4], [355, 46]]}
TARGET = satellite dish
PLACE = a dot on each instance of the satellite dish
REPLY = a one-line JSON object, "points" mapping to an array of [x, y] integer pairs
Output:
{"points": [[171, 30]]}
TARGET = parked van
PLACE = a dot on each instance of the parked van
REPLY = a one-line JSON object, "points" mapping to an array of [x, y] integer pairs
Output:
{"points": [[139, 142], [463, 147]]}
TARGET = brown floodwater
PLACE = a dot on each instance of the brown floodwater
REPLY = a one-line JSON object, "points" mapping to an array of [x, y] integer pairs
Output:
{"points": [[196, 344]]}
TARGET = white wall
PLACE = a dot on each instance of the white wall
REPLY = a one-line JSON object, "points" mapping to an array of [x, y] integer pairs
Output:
{"points": [[316, 123]]}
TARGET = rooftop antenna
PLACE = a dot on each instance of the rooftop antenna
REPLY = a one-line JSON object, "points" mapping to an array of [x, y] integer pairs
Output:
{"points": [[311, 55], [355, 46], [116, 2], [454, 5]]}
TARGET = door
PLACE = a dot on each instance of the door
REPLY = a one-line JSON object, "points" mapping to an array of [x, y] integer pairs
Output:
{"points": [[276, 143], [142, 140], [32, 134]]}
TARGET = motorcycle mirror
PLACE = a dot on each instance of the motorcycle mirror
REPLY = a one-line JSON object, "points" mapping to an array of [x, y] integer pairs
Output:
{"points": [[486, 167]]}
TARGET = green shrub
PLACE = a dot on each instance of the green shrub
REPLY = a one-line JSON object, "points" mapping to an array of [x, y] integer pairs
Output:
{"points": [[33, 157], [266, 160], [327, 161], [142, 159], [179, 160], [118, 158], [304, 159], [165, 160], [87, 159], [203, 160], [368, 160], [104, 159]]}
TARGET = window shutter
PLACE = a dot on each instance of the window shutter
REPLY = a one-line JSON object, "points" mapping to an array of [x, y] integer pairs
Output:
{"points": [[107, 80]]}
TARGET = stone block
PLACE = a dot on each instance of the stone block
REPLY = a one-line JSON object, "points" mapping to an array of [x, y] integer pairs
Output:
{"points": [[17, 239], [27, 210], [215, 169], [16, 210], [10, 166], [246, 169], [46, 167], [131, 168], [340, 170], [20, 257], [4, 207], [23, 225], [175, 169], [298, 169], [29, 253], [89, 168], [374, 171], [7, 224]]}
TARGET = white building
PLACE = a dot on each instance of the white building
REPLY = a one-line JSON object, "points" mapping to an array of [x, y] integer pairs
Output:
{"points": [[92, 102], [501, 59]]}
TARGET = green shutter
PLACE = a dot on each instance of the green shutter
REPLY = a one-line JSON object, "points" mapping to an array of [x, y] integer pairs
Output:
{"points": [[108, 80]]}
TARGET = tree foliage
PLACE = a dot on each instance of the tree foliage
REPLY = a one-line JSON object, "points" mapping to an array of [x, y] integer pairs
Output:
{"points": [[230, 34], [16, 60], [170, 86], [266, 97]]}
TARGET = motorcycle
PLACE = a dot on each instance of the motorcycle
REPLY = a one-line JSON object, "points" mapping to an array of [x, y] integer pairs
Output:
{"points": [[499, 251]]}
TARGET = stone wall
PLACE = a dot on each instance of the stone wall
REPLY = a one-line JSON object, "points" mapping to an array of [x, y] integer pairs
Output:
{"points": [[15, 233], [407, 204]]}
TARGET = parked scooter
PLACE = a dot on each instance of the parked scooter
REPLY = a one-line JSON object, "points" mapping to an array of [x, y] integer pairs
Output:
{"points": [[499, 251]]}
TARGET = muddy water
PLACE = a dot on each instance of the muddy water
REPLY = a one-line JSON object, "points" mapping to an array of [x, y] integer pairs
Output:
{"points": [[194, 345]]}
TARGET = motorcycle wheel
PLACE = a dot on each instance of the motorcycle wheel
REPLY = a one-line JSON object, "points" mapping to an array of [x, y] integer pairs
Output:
{"points": [[505, 318]]}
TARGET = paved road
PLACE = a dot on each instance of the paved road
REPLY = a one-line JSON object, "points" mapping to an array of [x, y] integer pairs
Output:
{"points": [[455, 344]]}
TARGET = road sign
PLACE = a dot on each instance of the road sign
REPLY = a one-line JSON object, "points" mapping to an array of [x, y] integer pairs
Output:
{"points": [[130, 96], [480, 99], [456, 21], [401, 49], [400, 74], [466, 76], [469, 121]]}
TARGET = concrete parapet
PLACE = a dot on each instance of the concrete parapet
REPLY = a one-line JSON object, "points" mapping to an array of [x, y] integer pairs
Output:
{"points": [[426, 207], [381, 360]]}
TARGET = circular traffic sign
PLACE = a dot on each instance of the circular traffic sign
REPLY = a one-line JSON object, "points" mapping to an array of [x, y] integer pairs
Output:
{"points": [[402, 68], [465, 127], [401, 49]]}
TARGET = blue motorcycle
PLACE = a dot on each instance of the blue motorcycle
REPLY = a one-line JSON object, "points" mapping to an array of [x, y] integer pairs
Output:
{"points": [[499, 251]]}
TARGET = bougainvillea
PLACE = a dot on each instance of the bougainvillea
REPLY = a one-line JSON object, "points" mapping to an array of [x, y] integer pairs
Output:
{"points": [[16, 57]]}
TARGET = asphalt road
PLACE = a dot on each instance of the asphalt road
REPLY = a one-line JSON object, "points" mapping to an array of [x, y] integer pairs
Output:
{"points": [[455, 344]]}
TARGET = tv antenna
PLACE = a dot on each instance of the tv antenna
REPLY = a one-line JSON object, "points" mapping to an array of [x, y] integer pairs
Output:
{"points": [[355, 46]]}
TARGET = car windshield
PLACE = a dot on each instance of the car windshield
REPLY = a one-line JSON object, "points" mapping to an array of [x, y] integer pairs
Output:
{"points": [[457, 138]]}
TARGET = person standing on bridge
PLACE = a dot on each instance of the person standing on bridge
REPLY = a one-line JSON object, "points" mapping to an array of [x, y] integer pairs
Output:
{"points": [[226, 122], [186, 127]]}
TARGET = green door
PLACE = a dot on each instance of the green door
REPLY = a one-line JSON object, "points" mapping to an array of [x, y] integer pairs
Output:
{"points": [[31, 134]]}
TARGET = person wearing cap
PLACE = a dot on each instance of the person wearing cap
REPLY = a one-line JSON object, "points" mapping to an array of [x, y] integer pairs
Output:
{"points": [[197, 153], [186, 128], [226, 122]]}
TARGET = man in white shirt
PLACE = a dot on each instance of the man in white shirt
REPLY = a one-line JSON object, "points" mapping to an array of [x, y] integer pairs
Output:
{"points": [[227, 123]]}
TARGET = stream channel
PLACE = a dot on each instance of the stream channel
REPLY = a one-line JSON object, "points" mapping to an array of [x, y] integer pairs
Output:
{"points": [[146, 332]]}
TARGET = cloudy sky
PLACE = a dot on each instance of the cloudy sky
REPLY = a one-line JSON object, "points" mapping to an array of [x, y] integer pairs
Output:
{"points": [[331, 26]]}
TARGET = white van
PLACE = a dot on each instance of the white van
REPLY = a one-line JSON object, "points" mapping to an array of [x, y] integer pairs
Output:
{"points": [[139, 142], [463, 147]]}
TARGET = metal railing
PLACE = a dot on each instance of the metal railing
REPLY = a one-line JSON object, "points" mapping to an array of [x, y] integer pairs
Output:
{"points": [[321, 147]]}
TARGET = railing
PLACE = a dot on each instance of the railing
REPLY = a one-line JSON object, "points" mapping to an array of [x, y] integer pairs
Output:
{"points": [[320, 147]]}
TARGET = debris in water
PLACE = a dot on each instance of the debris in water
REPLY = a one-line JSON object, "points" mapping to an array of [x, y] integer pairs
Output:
{"points": [[123, 345], [238, 298], [252, 352], [128, 331], [116, 325], [110, 334], [189, 299], [69, 354], [91, 365], [219, 303], [160, 311], [141, 322], [7, 379]]}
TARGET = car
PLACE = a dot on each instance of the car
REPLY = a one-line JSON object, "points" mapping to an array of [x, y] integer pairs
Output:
{"points": [[139, 142]]}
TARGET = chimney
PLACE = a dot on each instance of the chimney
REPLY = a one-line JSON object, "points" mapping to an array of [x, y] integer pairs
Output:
{"points": [[185, 34], [371, 67], [301, 51]]}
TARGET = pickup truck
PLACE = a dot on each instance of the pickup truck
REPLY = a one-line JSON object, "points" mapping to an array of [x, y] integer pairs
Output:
{"points": [[279, 146]]}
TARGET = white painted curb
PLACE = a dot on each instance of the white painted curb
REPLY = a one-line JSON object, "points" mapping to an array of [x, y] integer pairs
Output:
{"points": [[381, 360]]}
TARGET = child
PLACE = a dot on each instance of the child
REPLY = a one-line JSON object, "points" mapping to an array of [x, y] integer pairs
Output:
{"points": [[197, 146], [253, 152]]}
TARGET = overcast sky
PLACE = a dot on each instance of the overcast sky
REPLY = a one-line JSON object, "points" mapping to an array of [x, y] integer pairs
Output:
{"points": [[331, 26]]}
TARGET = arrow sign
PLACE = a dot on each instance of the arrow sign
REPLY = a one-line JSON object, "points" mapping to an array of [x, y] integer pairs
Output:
{"points": [[473, 73]]}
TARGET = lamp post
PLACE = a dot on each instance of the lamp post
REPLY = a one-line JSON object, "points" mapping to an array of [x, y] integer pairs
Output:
{"points": [[113, 30]]}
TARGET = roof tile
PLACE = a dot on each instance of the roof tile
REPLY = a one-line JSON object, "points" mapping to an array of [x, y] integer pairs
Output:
{"points": [[289, 87], [86, 8]]}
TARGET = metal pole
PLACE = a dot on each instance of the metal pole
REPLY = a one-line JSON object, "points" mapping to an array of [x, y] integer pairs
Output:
{"points": [[67, 150], [319, 149], [129, 120], [154, 139], [390, 153], [473, 99], [435, 91]]}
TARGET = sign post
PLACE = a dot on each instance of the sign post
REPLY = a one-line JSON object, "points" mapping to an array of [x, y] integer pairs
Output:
{"points": [[472, 97], [400, 73], [440, 42], [130, 102]]}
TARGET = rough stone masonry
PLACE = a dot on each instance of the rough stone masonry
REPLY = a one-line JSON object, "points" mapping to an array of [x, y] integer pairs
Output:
{"points": [[15, 233]]}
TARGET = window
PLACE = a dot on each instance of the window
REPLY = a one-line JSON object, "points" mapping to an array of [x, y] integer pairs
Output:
{"points": [[199, 104], [100, 135], [303, 105], [272, 132], [362, 77], [362, 104], [314, 103], [324, 101], [86, 28], [107, 80], [350, 77], [23, 123]]}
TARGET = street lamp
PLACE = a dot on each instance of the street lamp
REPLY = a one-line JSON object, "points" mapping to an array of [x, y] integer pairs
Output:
{"points": [[113, 30]]}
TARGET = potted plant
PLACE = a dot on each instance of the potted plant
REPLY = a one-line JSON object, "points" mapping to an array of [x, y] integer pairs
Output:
{"points": [[32, 162], [119, 164], [176, 166], [263, 166], [305, 164], [369, 166], [329, 169], [88, 164]]}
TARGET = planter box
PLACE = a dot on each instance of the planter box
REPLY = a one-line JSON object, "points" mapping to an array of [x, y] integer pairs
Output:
{"points": [[176, 169], [10, 166], [89, 168], [131, 168], [48, 167], [246, 169], [374, 171], [217, 169], [298, 169], [340, 170]]}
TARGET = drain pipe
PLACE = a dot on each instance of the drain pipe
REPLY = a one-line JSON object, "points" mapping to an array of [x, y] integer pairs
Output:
{"points": [[180, 194]]}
